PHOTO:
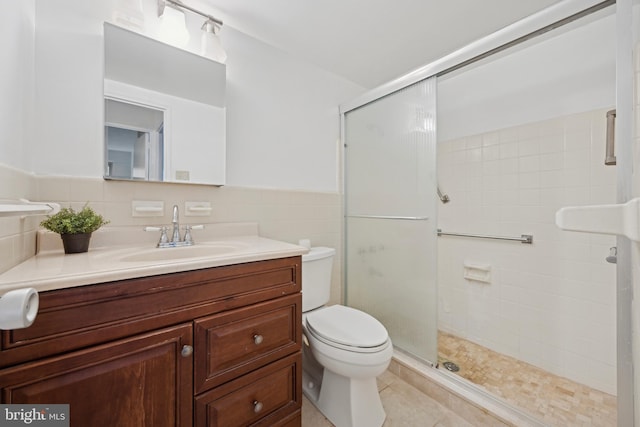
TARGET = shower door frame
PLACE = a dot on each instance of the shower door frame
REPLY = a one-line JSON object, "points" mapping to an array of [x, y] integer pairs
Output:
{"points": [[530, 27]]}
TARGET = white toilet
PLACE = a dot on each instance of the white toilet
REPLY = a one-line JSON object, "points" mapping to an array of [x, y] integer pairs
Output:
{"points": [[344, 350]]}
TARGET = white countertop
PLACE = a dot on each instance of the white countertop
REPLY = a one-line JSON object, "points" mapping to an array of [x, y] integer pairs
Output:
{"points": [[51, 269]]}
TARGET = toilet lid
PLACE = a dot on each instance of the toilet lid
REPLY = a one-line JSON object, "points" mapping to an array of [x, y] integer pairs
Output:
{"points": [[347, 326]]}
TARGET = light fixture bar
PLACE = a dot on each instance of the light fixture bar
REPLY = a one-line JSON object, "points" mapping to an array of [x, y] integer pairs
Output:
{"points": [[161, 5]]}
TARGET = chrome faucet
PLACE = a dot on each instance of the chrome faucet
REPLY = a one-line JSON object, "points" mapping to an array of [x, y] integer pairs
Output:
{"points": [[176, 240], [175, 236]]}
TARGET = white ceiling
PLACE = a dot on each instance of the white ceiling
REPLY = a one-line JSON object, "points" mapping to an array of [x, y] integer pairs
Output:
{"points": [[370, 41]]}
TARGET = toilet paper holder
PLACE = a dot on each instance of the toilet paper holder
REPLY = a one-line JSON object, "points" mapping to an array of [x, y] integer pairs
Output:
{"points": [[18, 308]]}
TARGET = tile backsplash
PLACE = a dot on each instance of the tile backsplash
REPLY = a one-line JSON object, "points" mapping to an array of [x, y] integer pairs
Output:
{"points": [[281, 214], [17, 234], [551, 304]]}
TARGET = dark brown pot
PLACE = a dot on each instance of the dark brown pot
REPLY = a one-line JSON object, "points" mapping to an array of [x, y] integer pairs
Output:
{"points": [[75, 243]]}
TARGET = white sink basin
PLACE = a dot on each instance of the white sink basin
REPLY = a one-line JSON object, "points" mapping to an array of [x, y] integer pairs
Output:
{"points": [[201, 250]]}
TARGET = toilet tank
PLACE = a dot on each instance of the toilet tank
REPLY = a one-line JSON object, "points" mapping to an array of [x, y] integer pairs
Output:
{"points": [[316, 277]]}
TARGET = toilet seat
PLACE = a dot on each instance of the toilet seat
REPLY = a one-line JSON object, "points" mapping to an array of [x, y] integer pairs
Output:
{"points": [[347, 328]]}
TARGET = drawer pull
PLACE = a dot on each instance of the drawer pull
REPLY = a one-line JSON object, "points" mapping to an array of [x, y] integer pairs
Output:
{"points": [[186, 351], [257, 406], [257, 339]]}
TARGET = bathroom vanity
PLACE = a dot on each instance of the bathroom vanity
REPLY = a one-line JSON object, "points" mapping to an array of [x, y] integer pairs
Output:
{"points": [[212, 346]]}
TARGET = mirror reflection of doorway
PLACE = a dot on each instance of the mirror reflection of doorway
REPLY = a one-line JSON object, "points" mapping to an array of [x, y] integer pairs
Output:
{"points": [[134, 136]]}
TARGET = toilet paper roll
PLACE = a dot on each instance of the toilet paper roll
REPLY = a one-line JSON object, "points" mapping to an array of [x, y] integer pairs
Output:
{"points": [[18, 308], [305, 243]]}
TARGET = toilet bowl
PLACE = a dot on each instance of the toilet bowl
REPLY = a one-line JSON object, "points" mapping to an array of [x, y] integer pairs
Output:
{"points": [[344, 351]]}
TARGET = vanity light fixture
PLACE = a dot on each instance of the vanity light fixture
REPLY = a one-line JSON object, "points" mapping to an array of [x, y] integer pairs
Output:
{"points": [[210, 43], [173, 27]]}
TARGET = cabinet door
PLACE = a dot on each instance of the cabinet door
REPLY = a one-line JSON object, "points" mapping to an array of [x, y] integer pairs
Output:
{"points": [[138, 381]]}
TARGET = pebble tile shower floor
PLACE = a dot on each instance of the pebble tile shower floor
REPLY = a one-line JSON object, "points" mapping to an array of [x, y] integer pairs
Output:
{"points": [[552, 399]]}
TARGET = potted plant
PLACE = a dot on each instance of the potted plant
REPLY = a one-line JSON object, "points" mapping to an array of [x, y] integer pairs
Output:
{"points": [[75, 228]]}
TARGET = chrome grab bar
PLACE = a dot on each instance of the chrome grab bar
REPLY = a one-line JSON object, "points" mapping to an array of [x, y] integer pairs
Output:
{"points": [[524, 238], [411, 218]]}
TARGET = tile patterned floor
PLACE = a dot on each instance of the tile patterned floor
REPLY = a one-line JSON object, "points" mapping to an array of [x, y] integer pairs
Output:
{"points": [[404, 404], [552, 399]]}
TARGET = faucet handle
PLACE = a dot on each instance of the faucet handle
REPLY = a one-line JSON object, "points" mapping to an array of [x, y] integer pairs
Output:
{"points": [[188, 239], [163, 233]]}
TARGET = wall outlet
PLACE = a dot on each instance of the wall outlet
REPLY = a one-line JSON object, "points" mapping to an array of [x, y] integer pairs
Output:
{"points": [[182, 175]]}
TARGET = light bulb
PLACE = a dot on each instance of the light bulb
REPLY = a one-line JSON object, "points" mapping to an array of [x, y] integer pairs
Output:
{"points": [[210, 43], [173, 27]]}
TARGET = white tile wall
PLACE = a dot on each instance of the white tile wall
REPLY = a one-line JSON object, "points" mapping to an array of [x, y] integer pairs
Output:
{"points": [[282, 215], [17, 234], [551, 304]]}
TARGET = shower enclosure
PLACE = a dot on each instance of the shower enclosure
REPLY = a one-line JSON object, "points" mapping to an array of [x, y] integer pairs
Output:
{"points": [[521, 131], [390, 228]]}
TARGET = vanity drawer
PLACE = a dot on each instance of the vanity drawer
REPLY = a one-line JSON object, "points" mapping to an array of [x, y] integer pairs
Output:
{"points": [[270, 396], [239, 341]]}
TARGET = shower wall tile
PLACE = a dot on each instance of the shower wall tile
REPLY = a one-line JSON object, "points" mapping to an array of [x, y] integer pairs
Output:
{"points": [[551, 304]]}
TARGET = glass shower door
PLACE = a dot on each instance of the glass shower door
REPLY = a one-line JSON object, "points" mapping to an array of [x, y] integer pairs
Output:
{"points": [[390, 209]]}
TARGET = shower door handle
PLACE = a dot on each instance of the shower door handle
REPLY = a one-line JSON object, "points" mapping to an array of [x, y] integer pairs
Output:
{"points": [[610, 145]]}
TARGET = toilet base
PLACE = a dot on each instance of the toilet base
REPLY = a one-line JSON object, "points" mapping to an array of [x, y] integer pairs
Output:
{"points": [[350, 402]]}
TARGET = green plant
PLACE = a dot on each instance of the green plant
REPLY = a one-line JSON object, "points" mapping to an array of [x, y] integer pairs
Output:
{"points": [[68, 221]]}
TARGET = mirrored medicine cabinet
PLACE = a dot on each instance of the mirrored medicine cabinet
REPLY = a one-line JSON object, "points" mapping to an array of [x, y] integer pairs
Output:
{"points": [[164, 112]]}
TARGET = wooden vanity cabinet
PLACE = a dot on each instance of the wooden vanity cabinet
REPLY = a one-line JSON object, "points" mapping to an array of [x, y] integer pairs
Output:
{"points": [[137, 381], [211, 347]]}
